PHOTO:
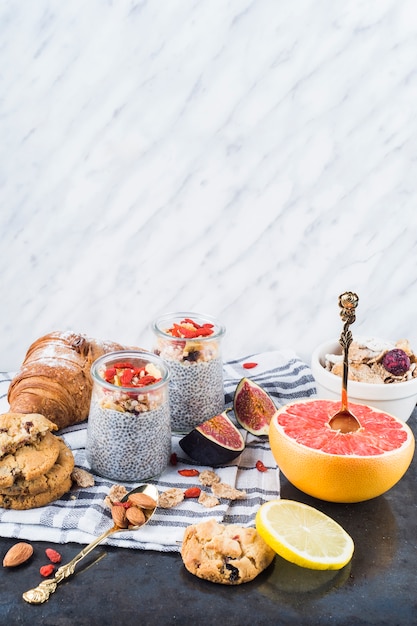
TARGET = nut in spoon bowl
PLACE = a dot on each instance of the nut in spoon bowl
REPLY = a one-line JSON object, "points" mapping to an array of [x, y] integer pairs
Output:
{"points": [[143, 501]]}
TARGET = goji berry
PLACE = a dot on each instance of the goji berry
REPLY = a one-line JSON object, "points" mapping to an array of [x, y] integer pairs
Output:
{"points": [[249, 366], [53, 555], [189, 333], [173, 459], [261, 467], [176, 331], [109, 374], [125, 505], [183, 329], [146, 380], [46, 570], [192, 492], [188, 472], [126, 377], [204, 331]]}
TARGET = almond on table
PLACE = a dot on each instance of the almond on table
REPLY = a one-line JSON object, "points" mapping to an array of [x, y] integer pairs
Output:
{"points": [[17, 554]]}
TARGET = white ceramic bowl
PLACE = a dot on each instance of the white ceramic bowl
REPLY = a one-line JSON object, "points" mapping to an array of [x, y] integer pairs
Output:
{"points": [[399, 399]]}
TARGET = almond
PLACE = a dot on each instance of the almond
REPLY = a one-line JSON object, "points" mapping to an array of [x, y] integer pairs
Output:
{"points": [[18, 554], [118, 514], [142, 500], [135, 516]]}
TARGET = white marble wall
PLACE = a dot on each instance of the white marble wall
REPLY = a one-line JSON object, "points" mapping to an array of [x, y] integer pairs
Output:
{"points": [[251, 159]]}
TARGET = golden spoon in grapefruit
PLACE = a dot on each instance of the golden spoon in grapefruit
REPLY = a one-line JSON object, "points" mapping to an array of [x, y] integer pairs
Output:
{"points": [[335, 466], [343, 419]]}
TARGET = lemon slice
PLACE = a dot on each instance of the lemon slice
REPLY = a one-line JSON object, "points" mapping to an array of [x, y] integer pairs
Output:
{"points": [[303, 535]]}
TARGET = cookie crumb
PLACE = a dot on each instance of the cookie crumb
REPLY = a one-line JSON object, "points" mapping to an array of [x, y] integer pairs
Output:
{"points": [[223, 490], [82, 478], [208, 501], [116, 493], [170, 498], [208, 477]]}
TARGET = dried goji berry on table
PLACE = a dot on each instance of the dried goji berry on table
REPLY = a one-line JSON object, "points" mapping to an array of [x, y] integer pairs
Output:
{"points": [[173, 459], [46, 570], [188, 472], [192, 492], [249, 366], [53, 555]]}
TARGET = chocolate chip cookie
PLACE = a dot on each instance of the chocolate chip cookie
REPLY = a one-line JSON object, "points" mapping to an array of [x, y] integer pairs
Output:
{"points": [[18, 429], [30, 460], [29, 501], [61, 470], [226, 554]]}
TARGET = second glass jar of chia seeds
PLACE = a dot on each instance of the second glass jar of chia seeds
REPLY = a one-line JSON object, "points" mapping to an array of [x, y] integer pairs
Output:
{"points": [[129, 426], [190, 344]]}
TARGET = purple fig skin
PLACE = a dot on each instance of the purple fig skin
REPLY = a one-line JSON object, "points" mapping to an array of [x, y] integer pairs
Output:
{"points": [[215, 442], [253, 407]]}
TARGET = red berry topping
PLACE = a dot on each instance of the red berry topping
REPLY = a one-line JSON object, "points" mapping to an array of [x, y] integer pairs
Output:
{"points": [[396, 362]]}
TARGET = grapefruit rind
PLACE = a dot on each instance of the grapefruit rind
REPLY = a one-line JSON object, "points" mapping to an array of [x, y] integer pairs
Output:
{"points": [[340, 470], [304, 535]]}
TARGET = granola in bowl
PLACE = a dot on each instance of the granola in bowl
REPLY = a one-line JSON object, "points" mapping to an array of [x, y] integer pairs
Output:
{"points": [[382, 374], [376, 361]]}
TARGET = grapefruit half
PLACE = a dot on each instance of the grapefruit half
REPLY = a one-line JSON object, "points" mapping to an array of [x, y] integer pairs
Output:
{"points": [[335, 466]]}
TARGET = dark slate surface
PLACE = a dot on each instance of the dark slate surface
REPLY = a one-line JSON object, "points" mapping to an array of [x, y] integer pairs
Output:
{"points": [[119, 586]]}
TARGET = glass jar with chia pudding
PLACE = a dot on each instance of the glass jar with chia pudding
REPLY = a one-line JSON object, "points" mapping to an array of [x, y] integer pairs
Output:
{"points": [[190, 344], [129, 426]]}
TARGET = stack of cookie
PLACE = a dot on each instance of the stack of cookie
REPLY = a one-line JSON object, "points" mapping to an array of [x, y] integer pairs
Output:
{"points": [[35, 464]]}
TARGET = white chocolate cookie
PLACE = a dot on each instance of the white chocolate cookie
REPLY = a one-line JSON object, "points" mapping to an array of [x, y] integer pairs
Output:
{"points": [[225, 554]]}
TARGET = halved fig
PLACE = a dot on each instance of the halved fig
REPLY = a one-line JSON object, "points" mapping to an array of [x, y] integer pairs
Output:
{"points": [[253, 407], [215, 442]]}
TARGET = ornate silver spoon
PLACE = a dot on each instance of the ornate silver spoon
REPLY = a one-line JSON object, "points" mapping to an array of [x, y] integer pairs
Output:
{"points": [[41, 593], [344, 420]]}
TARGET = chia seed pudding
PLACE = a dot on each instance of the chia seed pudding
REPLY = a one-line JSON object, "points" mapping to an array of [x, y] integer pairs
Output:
{"points": [[128, 428], [190, 345]]}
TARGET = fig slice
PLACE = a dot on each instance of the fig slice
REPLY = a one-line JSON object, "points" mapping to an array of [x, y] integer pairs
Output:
{"points": [[215, 442], [253, 407]]}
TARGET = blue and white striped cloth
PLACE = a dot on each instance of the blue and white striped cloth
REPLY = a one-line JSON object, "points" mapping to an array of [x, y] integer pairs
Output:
{"points": [[81, 515]]}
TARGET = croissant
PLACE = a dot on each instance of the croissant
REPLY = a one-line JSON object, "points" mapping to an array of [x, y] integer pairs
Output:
{"points": [[54, 379]]}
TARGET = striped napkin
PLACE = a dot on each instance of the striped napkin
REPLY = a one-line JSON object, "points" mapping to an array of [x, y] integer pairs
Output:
{"points": [[81, 515]]}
